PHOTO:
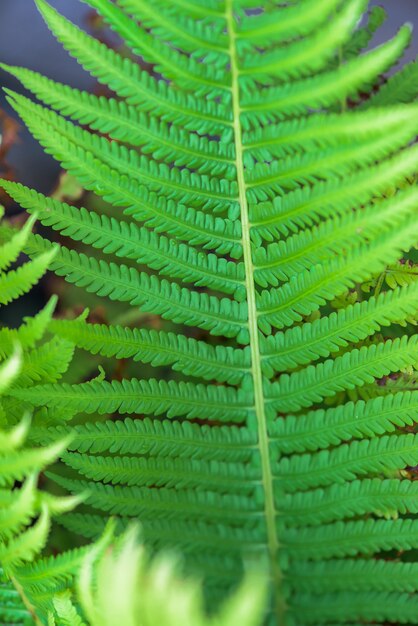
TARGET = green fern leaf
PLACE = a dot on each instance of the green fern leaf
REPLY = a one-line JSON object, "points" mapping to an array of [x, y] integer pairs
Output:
{"points": [[256, 157]]}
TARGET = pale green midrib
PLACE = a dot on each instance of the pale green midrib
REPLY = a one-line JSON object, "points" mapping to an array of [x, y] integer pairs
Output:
{"points": [[259, 401]]}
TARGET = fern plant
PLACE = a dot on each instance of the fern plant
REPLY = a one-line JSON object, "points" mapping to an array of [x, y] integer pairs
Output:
{"points": [[35, 588], [122, 585], [27, 357], [45, 358], [28, 583], [257, 169]]}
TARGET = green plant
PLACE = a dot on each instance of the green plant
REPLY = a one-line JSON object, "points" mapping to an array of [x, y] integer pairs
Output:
{"points": [[123, 586], [27, 357], [28, 582], [36, 587], [45, 358], [258, 158]]}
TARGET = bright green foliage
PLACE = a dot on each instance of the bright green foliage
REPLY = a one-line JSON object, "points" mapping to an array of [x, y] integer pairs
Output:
{"points": [[27, 356], [16, 282], [249, 160], [36, 589], [44, 358], [123, 586], [27, 586]]}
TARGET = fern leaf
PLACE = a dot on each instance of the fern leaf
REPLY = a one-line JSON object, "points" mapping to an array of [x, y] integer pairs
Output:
{"points": [[28, 333], [280, 261], [181, 185], [46, 363], [261, 154], [327, 89], [311, 289], [383, 498], [356, 574], [309, 204], [129, 241], [322, 131], [181, 504], [347, 461], [322, 428], [304, 57], [11, 250], [304, 344], [168, 62], [353, 369], [350, 538], [169, 439], [144, 396], [123, 122], [200, 475], [292, 22], [370, 606], [126, 284], [194, 358], [401, 87], [125, 77], [17, 282]]}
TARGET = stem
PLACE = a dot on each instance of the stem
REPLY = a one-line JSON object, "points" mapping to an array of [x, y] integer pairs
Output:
{"points": [[257, 375]]}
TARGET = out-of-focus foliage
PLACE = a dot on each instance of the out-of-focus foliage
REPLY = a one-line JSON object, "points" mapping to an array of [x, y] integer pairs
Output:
{"points": [[122, 585]]}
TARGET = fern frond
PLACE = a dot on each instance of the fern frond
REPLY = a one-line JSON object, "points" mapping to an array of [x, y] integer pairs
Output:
{"points": [[381, 497], [124, 122], [362, 37], [168, 439], [322, 131], [200, 475], [31, 331], [129, 241], [182, 185], [127, 567], [136, 86], [261, 154], [270, 28], [401, 87], [309, 290], [356, 574], [347, 462], [355, 368], [308, 205], [17, 282], [25, 519], [212, 232], [194, 358], [46, 363], [12, 249], [306, 343], [126, 284], [167, 61], [182, 504], [178, 28], [324, 428], [325, 90], [145, 396], [280, 261], [370, 606], [350, 538]]}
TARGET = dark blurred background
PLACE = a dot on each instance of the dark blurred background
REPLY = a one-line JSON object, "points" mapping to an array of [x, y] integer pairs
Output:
{"points": [[25, 40]]}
